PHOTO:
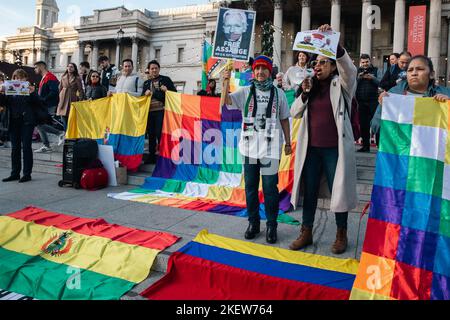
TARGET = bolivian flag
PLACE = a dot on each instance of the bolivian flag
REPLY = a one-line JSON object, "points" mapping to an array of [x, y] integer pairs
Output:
{"points": [[52, 256], [212, 267], [119, 121]]}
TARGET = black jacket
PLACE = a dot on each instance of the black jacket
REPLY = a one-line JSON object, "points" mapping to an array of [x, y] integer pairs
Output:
{"points": [[158, 94], [108, 74], [367, 90], [390, 78], [49, 90], [28, 108], [96, 92]]}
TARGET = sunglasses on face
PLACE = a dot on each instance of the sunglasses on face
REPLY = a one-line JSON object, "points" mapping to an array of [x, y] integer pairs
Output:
{"points": [[95, 77], [320, 62]]}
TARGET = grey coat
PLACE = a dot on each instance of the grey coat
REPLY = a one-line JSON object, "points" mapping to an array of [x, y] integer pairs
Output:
{"points": [[344, 196]]}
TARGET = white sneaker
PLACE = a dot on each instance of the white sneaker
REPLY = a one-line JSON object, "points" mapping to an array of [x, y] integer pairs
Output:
{"points": [[61, 139], [44, 149]]}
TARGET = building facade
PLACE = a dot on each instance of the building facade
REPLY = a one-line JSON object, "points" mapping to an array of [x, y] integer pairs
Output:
{"points": [[174, 37]]}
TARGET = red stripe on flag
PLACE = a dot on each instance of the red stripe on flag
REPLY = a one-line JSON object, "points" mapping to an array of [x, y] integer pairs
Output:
{"points": [[221, 282], [131, 162], [96, 227]]}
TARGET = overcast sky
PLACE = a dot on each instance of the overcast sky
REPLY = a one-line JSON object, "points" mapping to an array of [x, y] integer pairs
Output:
{"points": [[22, 13]]}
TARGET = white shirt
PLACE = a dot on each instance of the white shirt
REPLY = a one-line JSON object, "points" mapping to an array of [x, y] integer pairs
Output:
{"points": [[257, 146], [127, 84], [294, 77]]}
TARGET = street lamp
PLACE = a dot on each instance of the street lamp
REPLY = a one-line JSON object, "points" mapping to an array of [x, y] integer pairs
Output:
{"points": [[120, 35]]}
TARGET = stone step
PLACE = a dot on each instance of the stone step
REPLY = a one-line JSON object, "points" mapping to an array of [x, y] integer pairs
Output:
{"points": [[40, 166], [363, 160]]}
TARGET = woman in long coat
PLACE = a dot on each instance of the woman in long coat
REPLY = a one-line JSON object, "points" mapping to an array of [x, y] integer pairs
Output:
{"points": [[70, 90], [326, 151]]}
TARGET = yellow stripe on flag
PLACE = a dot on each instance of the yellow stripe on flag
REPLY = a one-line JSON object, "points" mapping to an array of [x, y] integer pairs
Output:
{"points": [[173, 102], [97, 254], [122, 114], [89, 119], [349, 266], [365, 295], [129, 114]]}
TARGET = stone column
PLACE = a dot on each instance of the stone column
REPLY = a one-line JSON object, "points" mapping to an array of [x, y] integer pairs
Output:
{"points": [[81, 49], [434, 37], [134, 52], [33, 56], [336, 15], [94, 57], [306, 15], [399, 26], [40, 55], [447, 76], [251, 6], [117, 60], [278, 24], [366, 30]]}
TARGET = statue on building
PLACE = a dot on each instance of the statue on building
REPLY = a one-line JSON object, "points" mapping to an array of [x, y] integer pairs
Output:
{"points": [[267, 39]]}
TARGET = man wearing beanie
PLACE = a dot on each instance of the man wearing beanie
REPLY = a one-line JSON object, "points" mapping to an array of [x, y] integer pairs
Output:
{"points": [[265, 115]]}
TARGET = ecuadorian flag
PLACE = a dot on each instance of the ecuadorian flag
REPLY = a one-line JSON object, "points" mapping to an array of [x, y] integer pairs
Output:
{"points": [[119, 121], [51, 256], [212, 267]]}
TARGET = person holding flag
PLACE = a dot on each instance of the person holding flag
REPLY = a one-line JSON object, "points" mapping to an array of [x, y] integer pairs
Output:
{"points": [[265, 116]]}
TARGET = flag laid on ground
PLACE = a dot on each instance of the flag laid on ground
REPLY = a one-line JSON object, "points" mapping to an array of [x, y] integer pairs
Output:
{"points": [[406, 253], [212, 267], [51, 256], [119, 121], [195, 179]]}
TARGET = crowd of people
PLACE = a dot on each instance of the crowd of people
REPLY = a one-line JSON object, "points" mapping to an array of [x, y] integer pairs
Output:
{"points": [[326, 92], [47, 108]]}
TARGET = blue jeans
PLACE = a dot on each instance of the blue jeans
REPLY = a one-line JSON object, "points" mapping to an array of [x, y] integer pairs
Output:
{"points": [[318, 159], [253, 170]]}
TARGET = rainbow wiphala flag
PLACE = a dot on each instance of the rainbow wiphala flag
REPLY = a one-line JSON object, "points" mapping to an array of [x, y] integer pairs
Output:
{"points": [[201, 186], [51, 256], [406, 253], [240, 79], [119, 121]]}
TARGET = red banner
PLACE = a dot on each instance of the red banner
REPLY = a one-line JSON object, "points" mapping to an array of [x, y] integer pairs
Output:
{"points": [[417, 28]]}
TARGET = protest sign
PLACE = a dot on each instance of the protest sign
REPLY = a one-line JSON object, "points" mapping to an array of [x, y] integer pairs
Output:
{"points": [[17, 88], [234, 34], [316, 42]]}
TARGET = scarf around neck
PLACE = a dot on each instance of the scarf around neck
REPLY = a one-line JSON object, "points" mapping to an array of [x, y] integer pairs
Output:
{"points": [[265, 85]]}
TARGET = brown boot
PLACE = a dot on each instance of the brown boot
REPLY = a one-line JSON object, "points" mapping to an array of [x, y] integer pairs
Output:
{"points": [[340, 245], [305, 239]]}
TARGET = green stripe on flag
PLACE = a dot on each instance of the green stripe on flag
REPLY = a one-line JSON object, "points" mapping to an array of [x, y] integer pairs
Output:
{"points": [[445, 218], [41, 279], [421, 179], [232, 161], [174, 186], [395, 138], [206, 175], [290, 96]]}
